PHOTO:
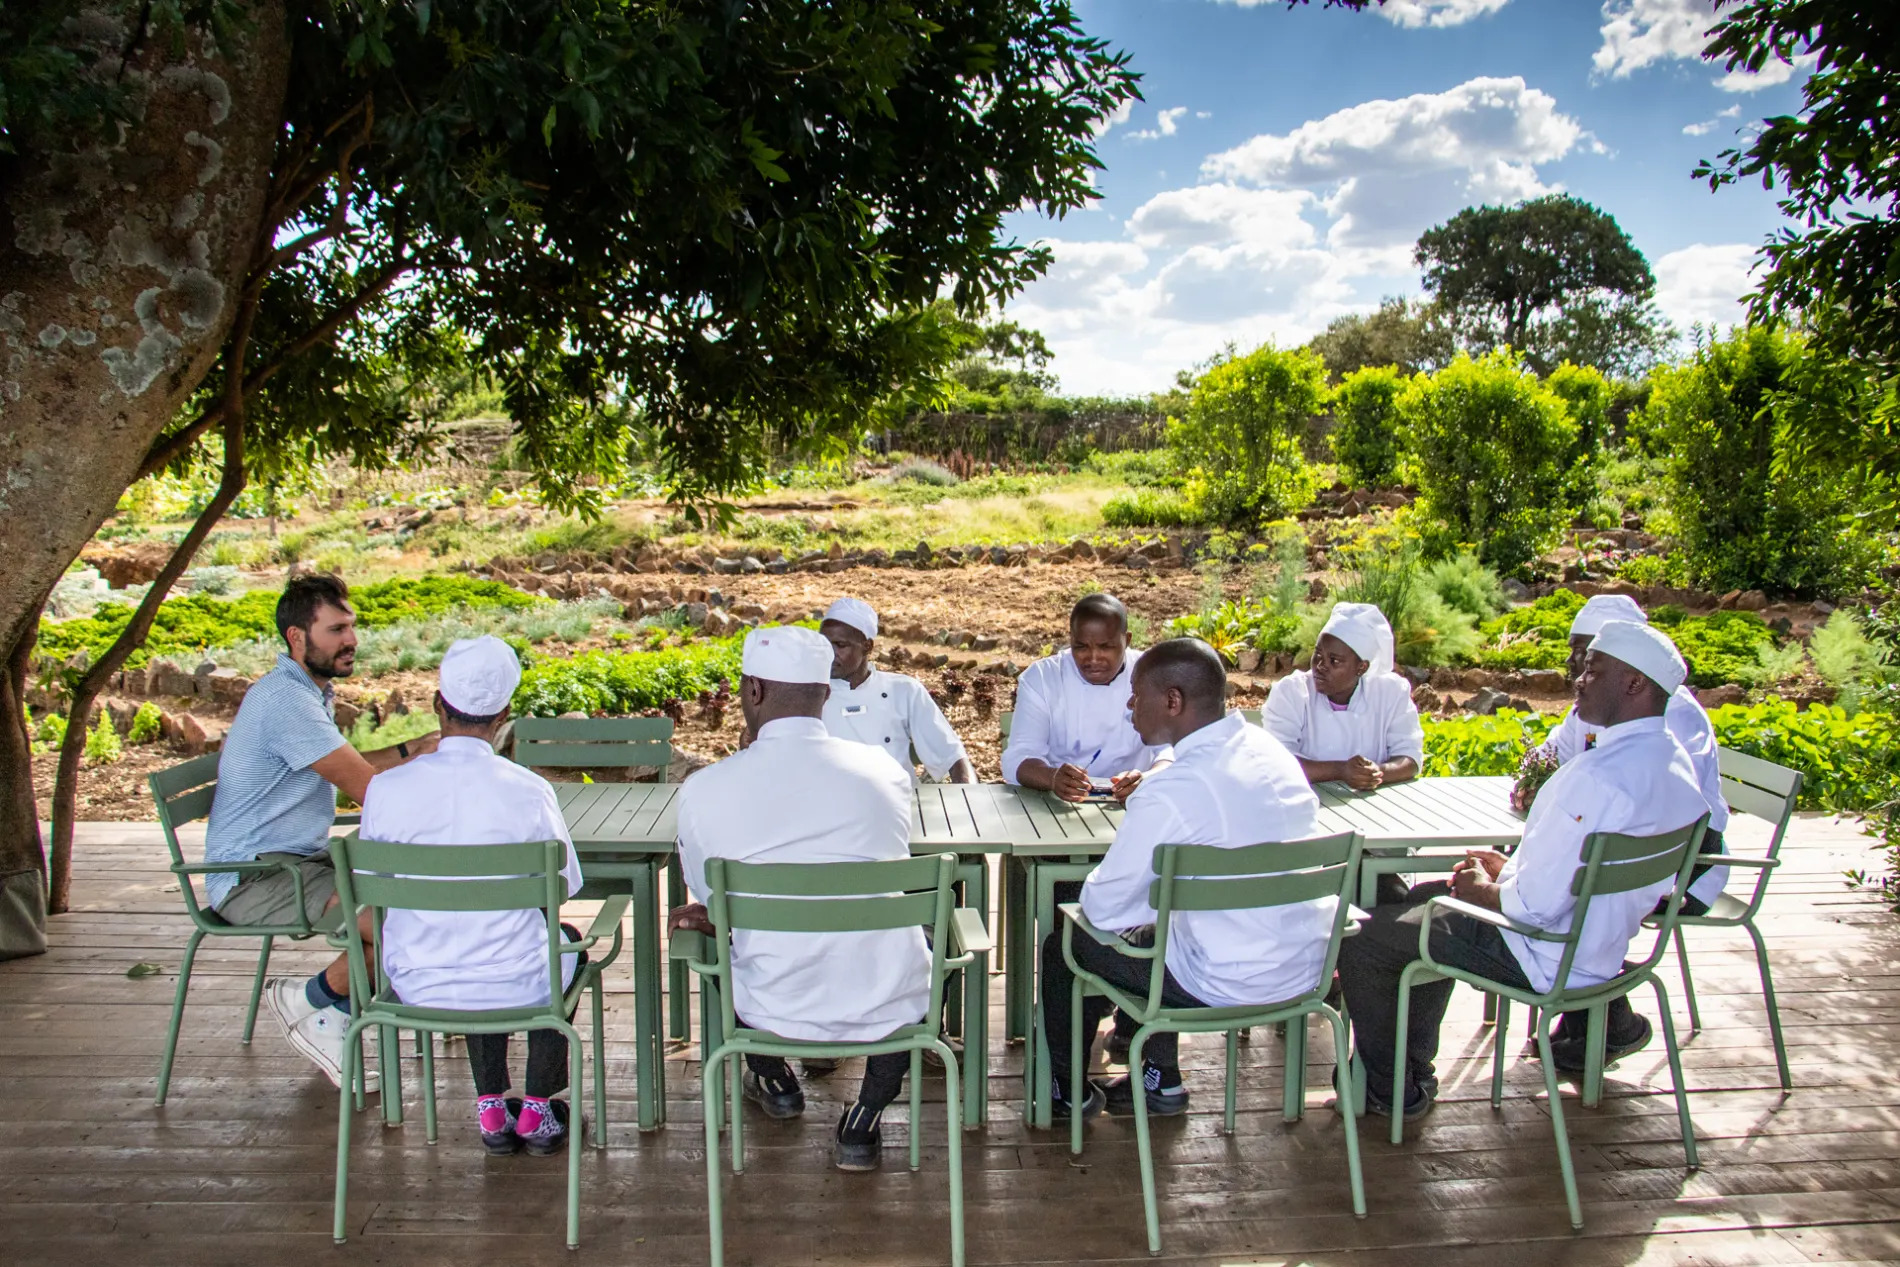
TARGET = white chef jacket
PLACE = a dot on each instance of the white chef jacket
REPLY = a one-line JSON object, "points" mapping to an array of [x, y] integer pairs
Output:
{"points": [[1379, 722], [800, 795], [895, 713], [463, 794], [1231, 784], [1062, 718], [1690, 724], [1637, 781]]}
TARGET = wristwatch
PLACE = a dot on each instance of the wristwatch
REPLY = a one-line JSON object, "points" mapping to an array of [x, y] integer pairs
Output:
{"points": [[402, 750]]}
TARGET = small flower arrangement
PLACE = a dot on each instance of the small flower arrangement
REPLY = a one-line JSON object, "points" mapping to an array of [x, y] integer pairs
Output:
{"points": [[1533, 772]]}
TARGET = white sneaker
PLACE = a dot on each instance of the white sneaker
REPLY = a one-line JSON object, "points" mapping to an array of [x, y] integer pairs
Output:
{"points": [[316, 1032]]}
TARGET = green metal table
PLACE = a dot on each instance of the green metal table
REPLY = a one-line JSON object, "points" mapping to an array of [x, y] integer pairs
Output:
{"points": [[1424, 825]]}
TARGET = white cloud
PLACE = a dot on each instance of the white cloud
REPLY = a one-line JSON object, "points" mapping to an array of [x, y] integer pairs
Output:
{"points": [[1288, 231], [1167, 123], [1703, 283], [1417, 13], [1709, 125], [1639, 33], [1120, 115]]}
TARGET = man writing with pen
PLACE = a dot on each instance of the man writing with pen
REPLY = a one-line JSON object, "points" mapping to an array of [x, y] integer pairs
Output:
{"points": [[1072, 735]]}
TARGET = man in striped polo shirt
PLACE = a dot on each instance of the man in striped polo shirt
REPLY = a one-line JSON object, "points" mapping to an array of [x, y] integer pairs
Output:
{"points": [[282, 764]]}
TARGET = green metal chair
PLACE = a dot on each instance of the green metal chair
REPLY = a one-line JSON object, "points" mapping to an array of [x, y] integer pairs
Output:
{"points": [[1768, 791], [593, 743], [379, 876], [1210, 878], [183, 794], [1610, 863], [1005, 720], [828, 897]]}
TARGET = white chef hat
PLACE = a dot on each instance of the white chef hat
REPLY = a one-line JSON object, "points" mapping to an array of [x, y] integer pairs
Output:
{"points": [[479, 676], [856, 613], [1599, 609], [1644, 649], [1364, 628], [786, 653]]}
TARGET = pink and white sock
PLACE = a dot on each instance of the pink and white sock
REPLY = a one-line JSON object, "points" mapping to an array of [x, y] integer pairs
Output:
{"points": [[532, 1111], [492, 1111]]}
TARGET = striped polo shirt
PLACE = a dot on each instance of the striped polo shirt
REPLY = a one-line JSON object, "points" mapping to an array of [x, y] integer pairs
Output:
{"points": [[269, 800]]}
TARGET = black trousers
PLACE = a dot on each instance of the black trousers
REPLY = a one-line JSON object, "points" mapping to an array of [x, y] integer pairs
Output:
{"points": [[1071, 891], [883, 1074], [547, 1053], [1371, 962], [1117, 969]]}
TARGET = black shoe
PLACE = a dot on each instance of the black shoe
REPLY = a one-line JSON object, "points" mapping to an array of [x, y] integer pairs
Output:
{"points": [[1115, 1048], [780, 1098], [504, 1142], [551, 1136], [859, 1146], [1119, 1099], [1418, 1101], [818, 1067], [1571, 1054], [934, 1059], [1059, 1107]]}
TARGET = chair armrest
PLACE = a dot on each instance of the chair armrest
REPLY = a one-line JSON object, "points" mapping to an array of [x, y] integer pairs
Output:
{"points": [[253, 867], [690, 946], [1072, 912], [352, 819], [1740, 860], [1497, 919], [606, 923], [967, 934], [1357, 917]]}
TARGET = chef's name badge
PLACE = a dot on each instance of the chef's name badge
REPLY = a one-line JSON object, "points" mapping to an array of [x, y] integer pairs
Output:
{"points": [[854, 710]]}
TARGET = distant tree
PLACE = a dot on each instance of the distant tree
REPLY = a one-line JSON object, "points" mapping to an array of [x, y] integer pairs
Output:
{"points": [[1589, 397], [1834, 270], [1367, 436], [1401, 332], [1553, 278], [1240, 439]]}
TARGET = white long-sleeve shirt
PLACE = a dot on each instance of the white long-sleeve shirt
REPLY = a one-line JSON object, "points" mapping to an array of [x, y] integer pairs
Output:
{"points": [[1637, 780], [463, 794], [1231, 784], [800, 795], [1690, 724], [894, 714], [1063, 718], [1379, 722]]}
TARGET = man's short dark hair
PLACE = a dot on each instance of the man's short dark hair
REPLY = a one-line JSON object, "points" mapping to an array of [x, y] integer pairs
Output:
{"points": [[460, 718], [1099, 607], [1191, 667], [304, 596]]}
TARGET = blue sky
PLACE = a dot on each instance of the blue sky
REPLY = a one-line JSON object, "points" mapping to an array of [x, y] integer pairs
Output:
{"points": [[1284, 162]]}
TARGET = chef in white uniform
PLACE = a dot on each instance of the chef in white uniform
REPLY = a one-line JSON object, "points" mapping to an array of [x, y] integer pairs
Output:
{"points": [[1637, 780], [464, 794], [889, 711], [1350, 717], [1230, 784], [799, 794], [1071, 730], [1687, 720]]}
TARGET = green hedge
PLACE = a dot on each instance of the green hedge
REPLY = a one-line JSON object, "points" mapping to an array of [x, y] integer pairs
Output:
{"points": [[1723, 646], [1494, 745], [620, 682], [197, 622]]}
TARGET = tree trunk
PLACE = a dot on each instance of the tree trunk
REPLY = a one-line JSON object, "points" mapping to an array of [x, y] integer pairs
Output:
{"points": [[23, 882], [120, 267]]}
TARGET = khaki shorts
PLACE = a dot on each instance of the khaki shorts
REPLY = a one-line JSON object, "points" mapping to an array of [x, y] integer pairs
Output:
{"points": [[270, 897]]}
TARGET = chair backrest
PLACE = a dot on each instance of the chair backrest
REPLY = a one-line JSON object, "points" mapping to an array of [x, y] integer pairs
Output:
{"points": [[1253, 877], [1251, 715], [1611, 862], [1004, 721], [831, 897], [383, 875], [183, 794], [1767, 791], [594, 743]]}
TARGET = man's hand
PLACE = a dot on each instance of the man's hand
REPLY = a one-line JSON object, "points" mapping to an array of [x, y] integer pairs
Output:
{"points": [[1070, 782], [1124, 783], [1490, 859], [425, 745], [1522, 798], [1361, 775], [692, 917], [1474, 879]]}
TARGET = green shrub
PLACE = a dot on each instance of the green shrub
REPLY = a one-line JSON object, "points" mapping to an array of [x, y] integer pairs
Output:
{"points": [[52, 731], [1654, 569], [1367, 437], [1465, 584], [1720, 647], [1425, 629], [1750, 512], [102, 745], [1532, 637], [1137, 468], [1149, 508], [366, 736], [1493, 451], [145, 724], [1587, 395], [1848, 761], [924, 471], [626, 682], [1240, 440], [1849, 661], [1471, 746]]}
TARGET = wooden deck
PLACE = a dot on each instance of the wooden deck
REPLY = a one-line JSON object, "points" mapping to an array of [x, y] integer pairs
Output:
{"points": [[237, 1168]]}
